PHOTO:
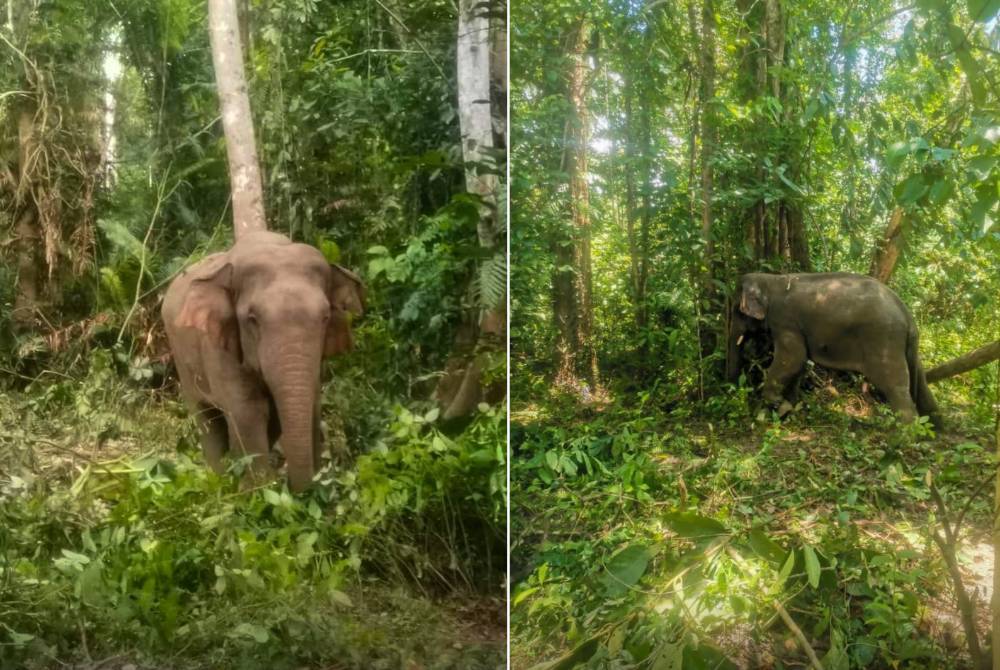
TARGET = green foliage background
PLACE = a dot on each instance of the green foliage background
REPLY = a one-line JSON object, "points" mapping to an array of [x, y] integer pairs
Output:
{"points": [[114, 539], [659, 522]]}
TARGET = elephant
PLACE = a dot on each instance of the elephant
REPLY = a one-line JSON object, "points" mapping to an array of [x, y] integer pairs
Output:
{"points": [[839, 320], [248, 329]]}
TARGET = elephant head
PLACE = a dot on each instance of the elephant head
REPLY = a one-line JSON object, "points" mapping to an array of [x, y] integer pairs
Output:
{"points": [[279, 308], [746, 314]]}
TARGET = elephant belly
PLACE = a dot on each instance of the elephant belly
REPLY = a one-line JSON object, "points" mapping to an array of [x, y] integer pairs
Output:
{"points": [[837, 355]]}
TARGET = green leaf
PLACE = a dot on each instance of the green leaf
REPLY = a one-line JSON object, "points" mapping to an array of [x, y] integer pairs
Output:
{"points": [[694, 526], [812, 565], [941, 191], [625, 569], [765, 547], [330, 250], [912, 189], [983, 10], [786, 569], [981, 166]]}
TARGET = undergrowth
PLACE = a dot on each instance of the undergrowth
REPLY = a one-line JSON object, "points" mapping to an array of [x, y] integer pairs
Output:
{"points": [[656, 534], [116, 542]]}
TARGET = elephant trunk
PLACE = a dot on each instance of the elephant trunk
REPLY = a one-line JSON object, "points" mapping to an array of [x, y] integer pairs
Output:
{"points": [[295, 387]]}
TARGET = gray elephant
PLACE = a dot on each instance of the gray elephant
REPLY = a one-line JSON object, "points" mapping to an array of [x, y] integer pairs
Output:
{"points": [[248, 329], [839, 320]]}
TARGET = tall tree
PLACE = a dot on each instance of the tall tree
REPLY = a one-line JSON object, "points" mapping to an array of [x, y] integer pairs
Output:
{"points": [[709, 293], [576, 352], [461, 388], [237, 121]]}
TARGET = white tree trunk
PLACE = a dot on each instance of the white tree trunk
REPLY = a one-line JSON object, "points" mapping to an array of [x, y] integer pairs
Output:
{"points": [[474, 118], [234, 102]]}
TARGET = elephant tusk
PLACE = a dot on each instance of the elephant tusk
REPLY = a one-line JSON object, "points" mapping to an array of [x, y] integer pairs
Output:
{"points": [[739, 340]]}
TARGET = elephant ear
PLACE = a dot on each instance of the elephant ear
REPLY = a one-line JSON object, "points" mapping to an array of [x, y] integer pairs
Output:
{"points": [[346, 293], [753, 302], [208, 307]]}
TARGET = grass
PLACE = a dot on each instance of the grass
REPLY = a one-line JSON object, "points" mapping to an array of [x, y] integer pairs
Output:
{"points": [[118, 546], [684, 535]]}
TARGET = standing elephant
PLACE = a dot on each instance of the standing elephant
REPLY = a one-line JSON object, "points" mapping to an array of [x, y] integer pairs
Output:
{"points": [[248, 329], [839, 320]]}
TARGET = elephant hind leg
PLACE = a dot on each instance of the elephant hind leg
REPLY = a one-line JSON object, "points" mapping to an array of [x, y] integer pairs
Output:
{"points": [[789, 359], [214, 436], [895, 384]]}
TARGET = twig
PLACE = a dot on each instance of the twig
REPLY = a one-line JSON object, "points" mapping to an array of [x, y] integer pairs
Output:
{"points": [[415, 38], [786, 617]]}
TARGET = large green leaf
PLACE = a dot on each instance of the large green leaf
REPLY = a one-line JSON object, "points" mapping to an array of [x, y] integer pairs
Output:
{"points": [[694, 526], [765, 547], [983, 10], [625, 569], [910, 190]]}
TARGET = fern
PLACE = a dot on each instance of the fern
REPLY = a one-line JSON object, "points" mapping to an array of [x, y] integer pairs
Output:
{"points": [[490, 286]]}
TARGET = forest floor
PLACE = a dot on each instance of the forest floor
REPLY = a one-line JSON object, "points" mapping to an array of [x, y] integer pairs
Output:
{"points": [[120, 551], [719, 536]]}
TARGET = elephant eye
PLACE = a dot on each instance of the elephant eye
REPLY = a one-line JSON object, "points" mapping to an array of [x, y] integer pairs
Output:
{"points": [[252, 318]]}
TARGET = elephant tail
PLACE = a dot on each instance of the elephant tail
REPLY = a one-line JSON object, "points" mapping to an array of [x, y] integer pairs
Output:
{"points": [[919, 389]]}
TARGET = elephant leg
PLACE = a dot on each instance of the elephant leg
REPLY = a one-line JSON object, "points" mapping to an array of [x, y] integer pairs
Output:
{"points": [[789, 359], [213, 436], [273, 434], [248, 428], [894, 382]]}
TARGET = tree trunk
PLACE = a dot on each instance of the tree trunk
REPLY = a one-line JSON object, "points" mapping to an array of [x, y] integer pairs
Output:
{"points": [[579, 201], [27, 227], [970, 361], [237, 122], [708, 290], [889, 248], [461, 388]]}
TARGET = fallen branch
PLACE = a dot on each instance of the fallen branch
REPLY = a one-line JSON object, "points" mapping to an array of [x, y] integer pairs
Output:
{"points": [[965, 362], [948, 545]]}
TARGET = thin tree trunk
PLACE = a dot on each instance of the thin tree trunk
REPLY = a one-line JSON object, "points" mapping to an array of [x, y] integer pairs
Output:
{"points": [[237, 122], [579, 197], [888, 250], [27, 228], [631, 206], [970, 361], [709, 293]]}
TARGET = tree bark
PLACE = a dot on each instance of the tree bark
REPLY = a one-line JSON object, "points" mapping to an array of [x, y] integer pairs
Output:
{"points": [[237, 122], [964, 363], [27, 227], [461, 389], [579, 201], [887, 253], [708, 290]]}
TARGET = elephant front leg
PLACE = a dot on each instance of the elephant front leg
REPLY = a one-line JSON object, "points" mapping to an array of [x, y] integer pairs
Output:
{"points": [[248, 432], [213, 436], [789, 359]]}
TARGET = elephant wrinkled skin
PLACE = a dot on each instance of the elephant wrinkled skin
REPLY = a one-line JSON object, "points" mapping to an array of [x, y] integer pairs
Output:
{"points": [[839, 320], [248, 329]]}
